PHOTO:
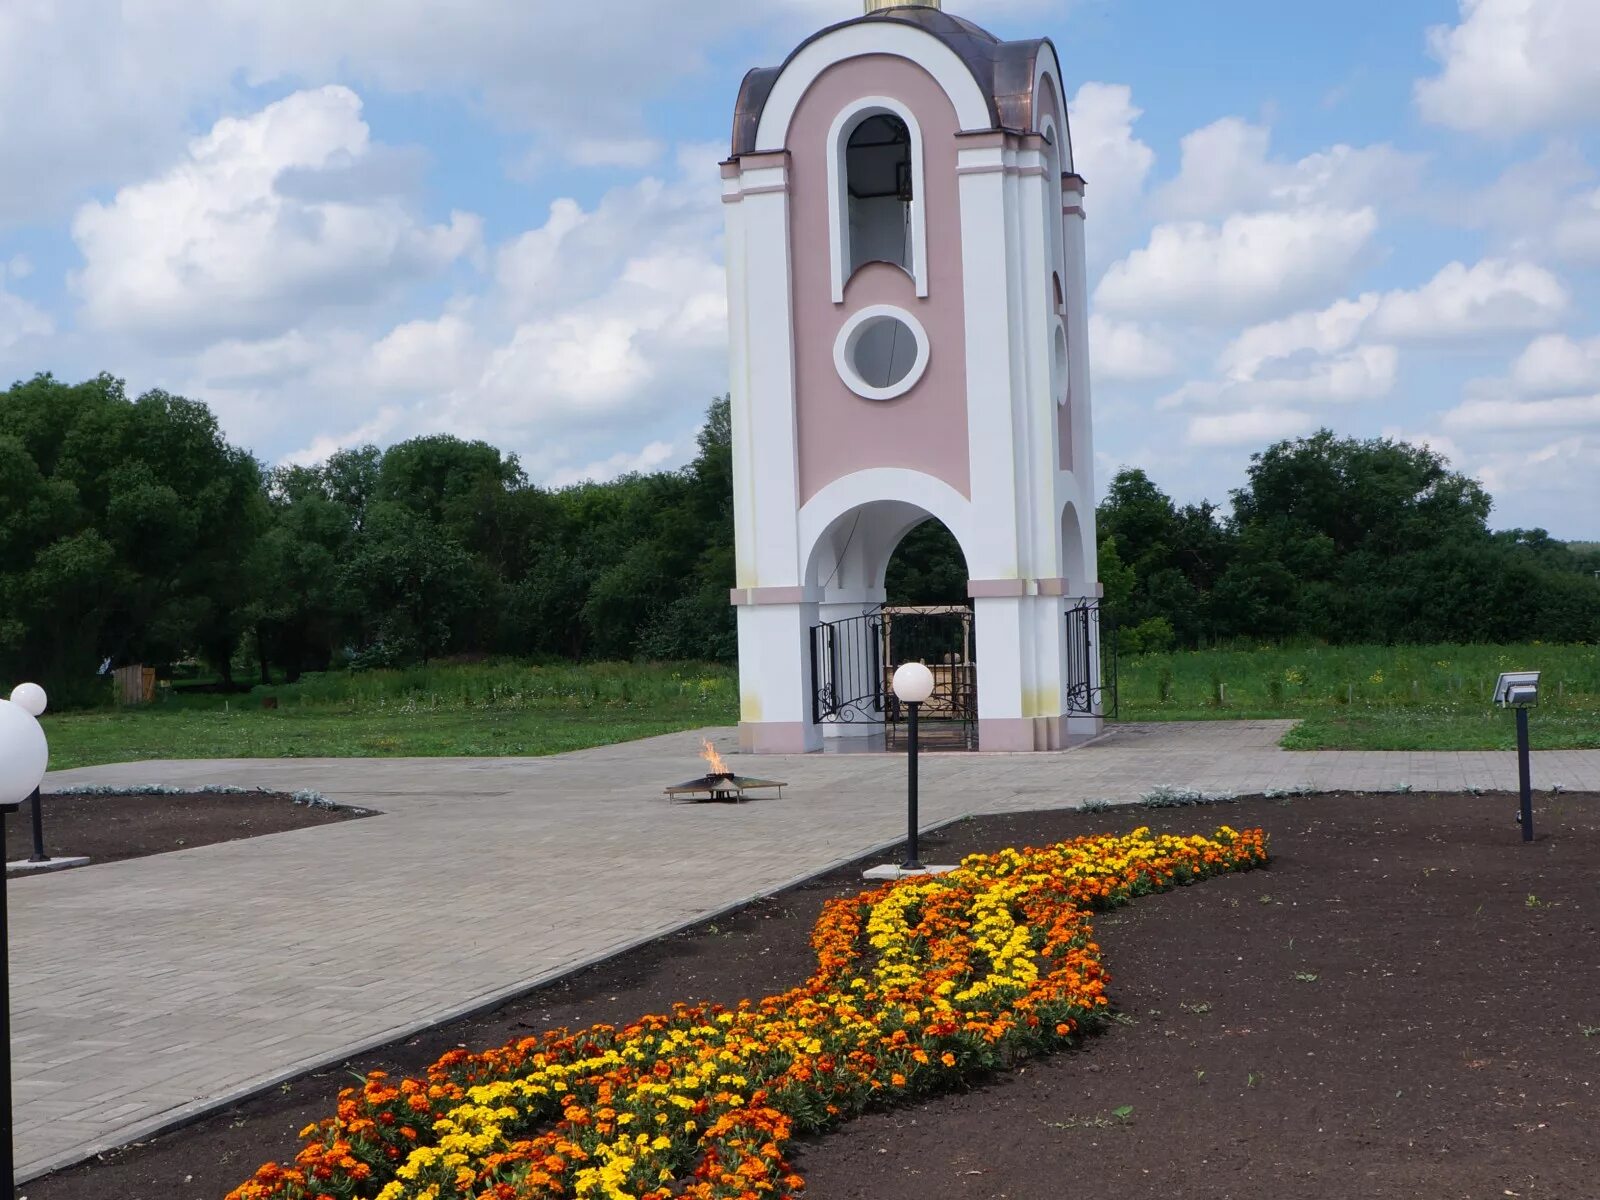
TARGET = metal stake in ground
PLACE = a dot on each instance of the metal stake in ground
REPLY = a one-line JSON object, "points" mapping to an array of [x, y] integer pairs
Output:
{"points": [[1524, 774], [913, 684], [1520, 690]]}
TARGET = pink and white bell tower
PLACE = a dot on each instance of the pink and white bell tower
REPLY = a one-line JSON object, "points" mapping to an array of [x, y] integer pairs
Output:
{"points": [[909, 333]]}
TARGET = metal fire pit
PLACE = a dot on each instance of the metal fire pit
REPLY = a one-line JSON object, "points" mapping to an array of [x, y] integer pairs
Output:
{"points": [[723, 786]]}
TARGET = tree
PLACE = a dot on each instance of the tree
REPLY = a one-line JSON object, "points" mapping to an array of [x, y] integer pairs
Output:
{"points": [[407, 587], [136, 520]]}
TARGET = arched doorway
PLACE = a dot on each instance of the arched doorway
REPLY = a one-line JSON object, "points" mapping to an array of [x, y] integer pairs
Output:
{"points": [[893, 582]]}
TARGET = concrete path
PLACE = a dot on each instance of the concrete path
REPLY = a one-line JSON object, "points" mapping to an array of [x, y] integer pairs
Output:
{"points": [[147, 991]]}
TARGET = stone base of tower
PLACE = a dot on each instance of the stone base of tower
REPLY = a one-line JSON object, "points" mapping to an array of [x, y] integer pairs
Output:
{"points": [[775, 681], [779, 737], [1025, 735]]}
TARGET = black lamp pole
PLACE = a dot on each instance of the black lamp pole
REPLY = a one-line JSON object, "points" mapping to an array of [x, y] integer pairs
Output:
{"points": [[912, 863], [8, 1168], [1524, 774], [38, 854]]}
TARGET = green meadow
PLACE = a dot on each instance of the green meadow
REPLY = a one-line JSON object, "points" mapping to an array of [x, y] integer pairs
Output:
{"points": [[484, 709], [1436, 697], [1343, 698]]}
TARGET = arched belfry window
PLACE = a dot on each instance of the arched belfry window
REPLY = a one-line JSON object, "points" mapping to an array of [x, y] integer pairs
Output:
{"points": [[876, 174], [878, 184]]}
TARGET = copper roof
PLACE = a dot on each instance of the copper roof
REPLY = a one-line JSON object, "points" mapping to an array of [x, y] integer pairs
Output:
{"points": [[1004, 70]]}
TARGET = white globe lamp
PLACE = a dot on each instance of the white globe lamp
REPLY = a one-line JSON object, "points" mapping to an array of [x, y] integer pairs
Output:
{"points": [[24, 753], [913, 683], [31, 697]]}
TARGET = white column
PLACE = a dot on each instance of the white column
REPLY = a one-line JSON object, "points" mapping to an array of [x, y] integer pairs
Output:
{"points": [[1079, 484], [766, 457], [985, 265], [775, 682], [1003, 722]]}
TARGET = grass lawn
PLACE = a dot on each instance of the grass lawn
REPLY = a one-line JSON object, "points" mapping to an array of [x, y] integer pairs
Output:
{"points": [[1345, 698], [482, 710], [1373, 697]]}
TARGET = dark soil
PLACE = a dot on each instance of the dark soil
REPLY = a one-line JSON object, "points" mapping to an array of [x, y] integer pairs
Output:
{"points": [[108, 828], [1404, 1005]]}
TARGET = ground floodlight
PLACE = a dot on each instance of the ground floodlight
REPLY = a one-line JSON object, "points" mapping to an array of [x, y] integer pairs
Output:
{"points": [[1517, 689], [913, 683], [1520, 690]]}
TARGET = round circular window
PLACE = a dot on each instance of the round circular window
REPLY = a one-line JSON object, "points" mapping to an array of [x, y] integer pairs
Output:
{"points": [[1063, 377], [881, 352]]}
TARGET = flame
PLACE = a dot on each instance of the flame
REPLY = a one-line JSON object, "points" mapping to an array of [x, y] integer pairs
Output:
{"points": [[718, 767]]}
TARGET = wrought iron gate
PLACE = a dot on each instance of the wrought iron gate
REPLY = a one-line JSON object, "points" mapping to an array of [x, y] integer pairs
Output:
{"points": [[853, 662], [1091, 660]]}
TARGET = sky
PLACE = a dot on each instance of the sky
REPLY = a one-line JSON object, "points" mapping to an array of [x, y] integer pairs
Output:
{"points": [[340, 222]]}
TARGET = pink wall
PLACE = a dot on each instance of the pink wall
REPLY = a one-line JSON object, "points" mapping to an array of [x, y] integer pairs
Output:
{"points": [[839, 432]]}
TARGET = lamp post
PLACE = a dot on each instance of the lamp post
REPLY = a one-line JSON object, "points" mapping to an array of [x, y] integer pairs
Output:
{"points": [[1520, 690], [31, 698], [913, 684], [24, 754]]}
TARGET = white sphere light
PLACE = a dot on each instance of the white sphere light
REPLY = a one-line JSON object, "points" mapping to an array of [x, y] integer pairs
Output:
{"points": [[24, 753], [913, 683], [30, 697]]}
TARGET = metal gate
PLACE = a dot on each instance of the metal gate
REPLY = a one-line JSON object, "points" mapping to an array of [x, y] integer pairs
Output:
{"points": [[853, 663], [1091, 660]]}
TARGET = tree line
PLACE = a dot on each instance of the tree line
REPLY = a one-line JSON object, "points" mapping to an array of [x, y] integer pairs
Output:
{"points": [[134, 533]]}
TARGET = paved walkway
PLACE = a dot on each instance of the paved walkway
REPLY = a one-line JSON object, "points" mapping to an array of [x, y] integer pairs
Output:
{"points": [[147, 991]]}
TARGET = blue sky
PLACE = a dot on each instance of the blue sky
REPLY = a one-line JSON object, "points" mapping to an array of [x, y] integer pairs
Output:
{"points": [[341, 222]]}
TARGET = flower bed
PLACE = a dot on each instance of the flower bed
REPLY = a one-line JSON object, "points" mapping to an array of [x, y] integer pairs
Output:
{"points": [[919, 985]]}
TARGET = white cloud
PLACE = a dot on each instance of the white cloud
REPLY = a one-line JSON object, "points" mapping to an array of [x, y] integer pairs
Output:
{"points": [[635, 153], [1324, 332], [1114, 163], [1125, 350], [624, 462], [1490, 297], [1573, 412], [1552, 482], [1344, 353], [1575, 234], [603, 318], [1226, 167], [109, 87], [217, 245], [20, 322], [1249, 265], [1555, 364], [1514, 65], [424, 357], [380, 427], [1250, 427], [1358, 373], [1544, 207]]}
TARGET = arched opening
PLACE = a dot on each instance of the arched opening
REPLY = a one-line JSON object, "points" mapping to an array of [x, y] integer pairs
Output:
{"points": [[1074, 561], [927, 567], [878, 184], [894, 590]]}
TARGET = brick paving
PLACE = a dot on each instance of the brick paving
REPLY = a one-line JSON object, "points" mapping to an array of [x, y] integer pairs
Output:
{"points": [[146, 992]]}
